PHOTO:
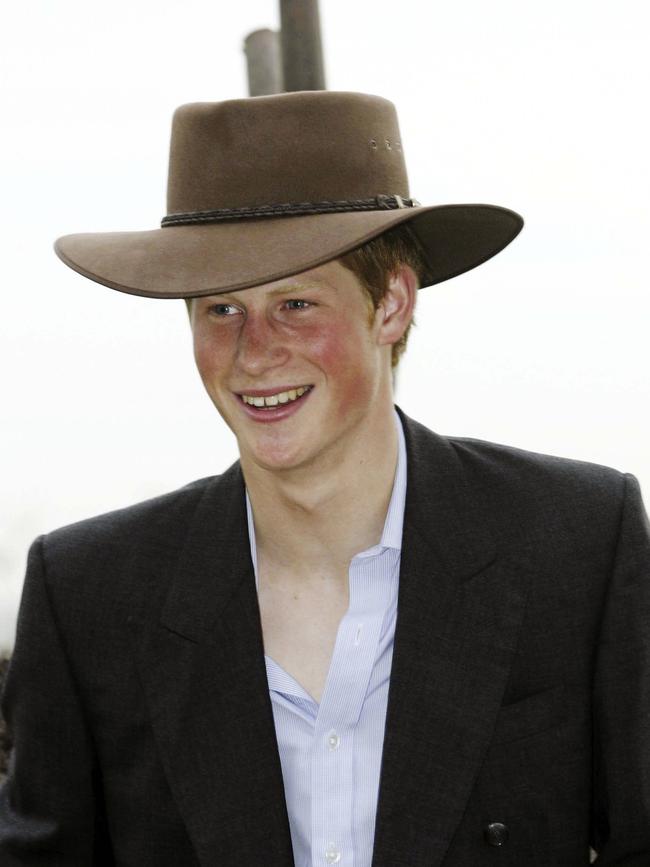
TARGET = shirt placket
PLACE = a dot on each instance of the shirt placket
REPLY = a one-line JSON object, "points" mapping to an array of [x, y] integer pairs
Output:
{"points": [[332, 758]]}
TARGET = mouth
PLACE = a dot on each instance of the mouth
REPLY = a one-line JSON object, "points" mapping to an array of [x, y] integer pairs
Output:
{"points": [[274, 406]]}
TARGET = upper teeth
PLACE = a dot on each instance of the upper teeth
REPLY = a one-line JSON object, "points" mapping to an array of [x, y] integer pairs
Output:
{"points": [[275, 399]]}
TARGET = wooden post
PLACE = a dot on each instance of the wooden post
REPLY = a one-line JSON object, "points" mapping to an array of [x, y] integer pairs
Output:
{"points": [[264, 62], [302, 50]]}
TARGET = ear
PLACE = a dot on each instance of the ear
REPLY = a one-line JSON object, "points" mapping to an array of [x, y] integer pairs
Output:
{"points": [[397, 306]]}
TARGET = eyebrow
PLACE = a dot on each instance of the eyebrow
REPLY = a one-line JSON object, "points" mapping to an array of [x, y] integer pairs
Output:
{"points": [[299, 287], [280, 290]]}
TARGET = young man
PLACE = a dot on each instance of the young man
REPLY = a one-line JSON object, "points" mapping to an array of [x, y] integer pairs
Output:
{"points": [[365, 643]]}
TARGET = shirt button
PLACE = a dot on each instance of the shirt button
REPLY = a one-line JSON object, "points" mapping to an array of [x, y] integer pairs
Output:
{"points": [[332, 854], [333, 741]]}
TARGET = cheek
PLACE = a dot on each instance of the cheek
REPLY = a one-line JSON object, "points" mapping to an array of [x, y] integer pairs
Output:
{"points": [[209, 356], [342, 354], [331, 347]]}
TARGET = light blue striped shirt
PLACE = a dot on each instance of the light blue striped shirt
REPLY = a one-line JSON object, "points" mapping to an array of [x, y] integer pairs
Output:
{"points": [[331, 753]]}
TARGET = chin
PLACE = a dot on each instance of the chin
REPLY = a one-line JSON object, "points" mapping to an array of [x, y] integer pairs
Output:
{"points": [[276, 465], [272, 456]]}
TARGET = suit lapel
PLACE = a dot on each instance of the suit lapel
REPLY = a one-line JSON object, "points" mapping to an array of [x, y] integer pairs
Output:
{"points": [[460, 607], [202, 665]]}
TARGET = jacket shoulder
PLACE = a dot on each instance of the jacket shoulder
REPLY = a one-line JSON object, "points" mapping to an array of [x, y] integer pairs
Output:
{"points": [[516, 463], [537, 497], [542, 490], [153, 519], [506, 465], [519, 493]]}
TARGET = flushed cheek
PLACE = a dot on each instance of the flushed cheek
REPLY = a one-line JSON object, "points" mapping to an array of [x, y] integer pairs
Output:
{"points": [[340, 355], [211, 363], [354, 392]]}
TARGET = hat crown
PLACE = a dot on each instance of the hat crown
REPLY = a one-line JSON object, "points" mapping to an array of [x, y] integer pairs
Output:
{"points": [[305, 146]]}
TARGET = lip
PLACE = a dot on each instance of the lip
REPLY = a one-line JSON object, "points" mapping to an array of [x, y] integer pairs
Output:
{"points": [[277, 413], [267, 392]]}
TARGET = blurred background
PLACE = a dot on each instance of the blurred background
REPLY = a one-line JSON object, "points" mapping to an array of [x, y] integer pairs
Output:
{"points": [[538, 107]]}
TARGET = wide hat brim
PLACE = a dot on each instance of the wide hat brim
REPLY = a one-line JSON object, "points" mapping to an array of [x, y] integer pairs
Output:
{"points": [[213, 258]]}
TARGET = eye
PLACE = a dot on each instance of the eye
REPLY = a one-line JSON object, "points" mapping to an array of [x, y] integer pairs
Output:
{"points": [[299, 301], [222, 309]]}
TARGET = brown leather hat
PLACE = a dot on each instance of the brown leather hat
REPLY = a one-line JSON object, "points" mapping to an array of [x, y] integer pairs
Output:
{"points": [[269, 186]]}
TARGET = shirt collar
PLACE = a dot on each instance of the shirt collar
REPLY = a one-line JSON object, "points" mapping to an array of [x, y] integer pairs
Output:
{"points": [[391, 536]]}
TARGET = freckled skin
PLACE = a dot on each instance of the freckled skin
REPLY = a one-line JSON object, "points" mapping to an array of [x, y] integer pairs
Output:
{"points": [[317, 333]]}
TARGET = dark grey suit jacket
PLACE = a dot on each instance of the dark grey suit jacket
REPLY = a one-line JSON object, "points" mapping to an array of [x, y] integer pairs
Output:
{"points": [[519, 693]]}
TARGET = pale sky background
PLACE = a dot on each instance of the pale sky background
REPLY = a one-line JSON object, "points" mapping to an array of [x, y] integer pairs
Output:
{"points": [[540, 107]]}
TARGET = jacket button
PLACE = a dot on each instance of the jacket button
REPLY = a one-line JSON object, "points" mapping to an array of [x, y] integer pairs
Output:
{"points": [[496, 833]]}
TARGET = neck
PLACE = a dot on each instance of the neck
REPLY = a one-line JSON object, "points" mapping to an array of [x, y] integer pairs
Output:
{"points": [[311, 521]]}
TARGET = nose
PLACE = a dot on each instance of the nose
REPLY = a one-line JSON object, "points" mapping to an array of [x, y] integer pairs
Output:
{"points": [[259, 346]]}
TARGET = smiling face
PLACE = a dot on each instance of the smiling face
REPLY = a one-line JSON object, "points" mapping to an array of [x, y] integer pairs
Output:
{"points": [[310, 331]]}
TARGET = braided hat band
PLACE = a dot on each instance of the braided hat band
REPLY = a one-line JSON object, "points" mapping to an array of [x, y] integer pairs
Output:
{"points": [[290, 209]]}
